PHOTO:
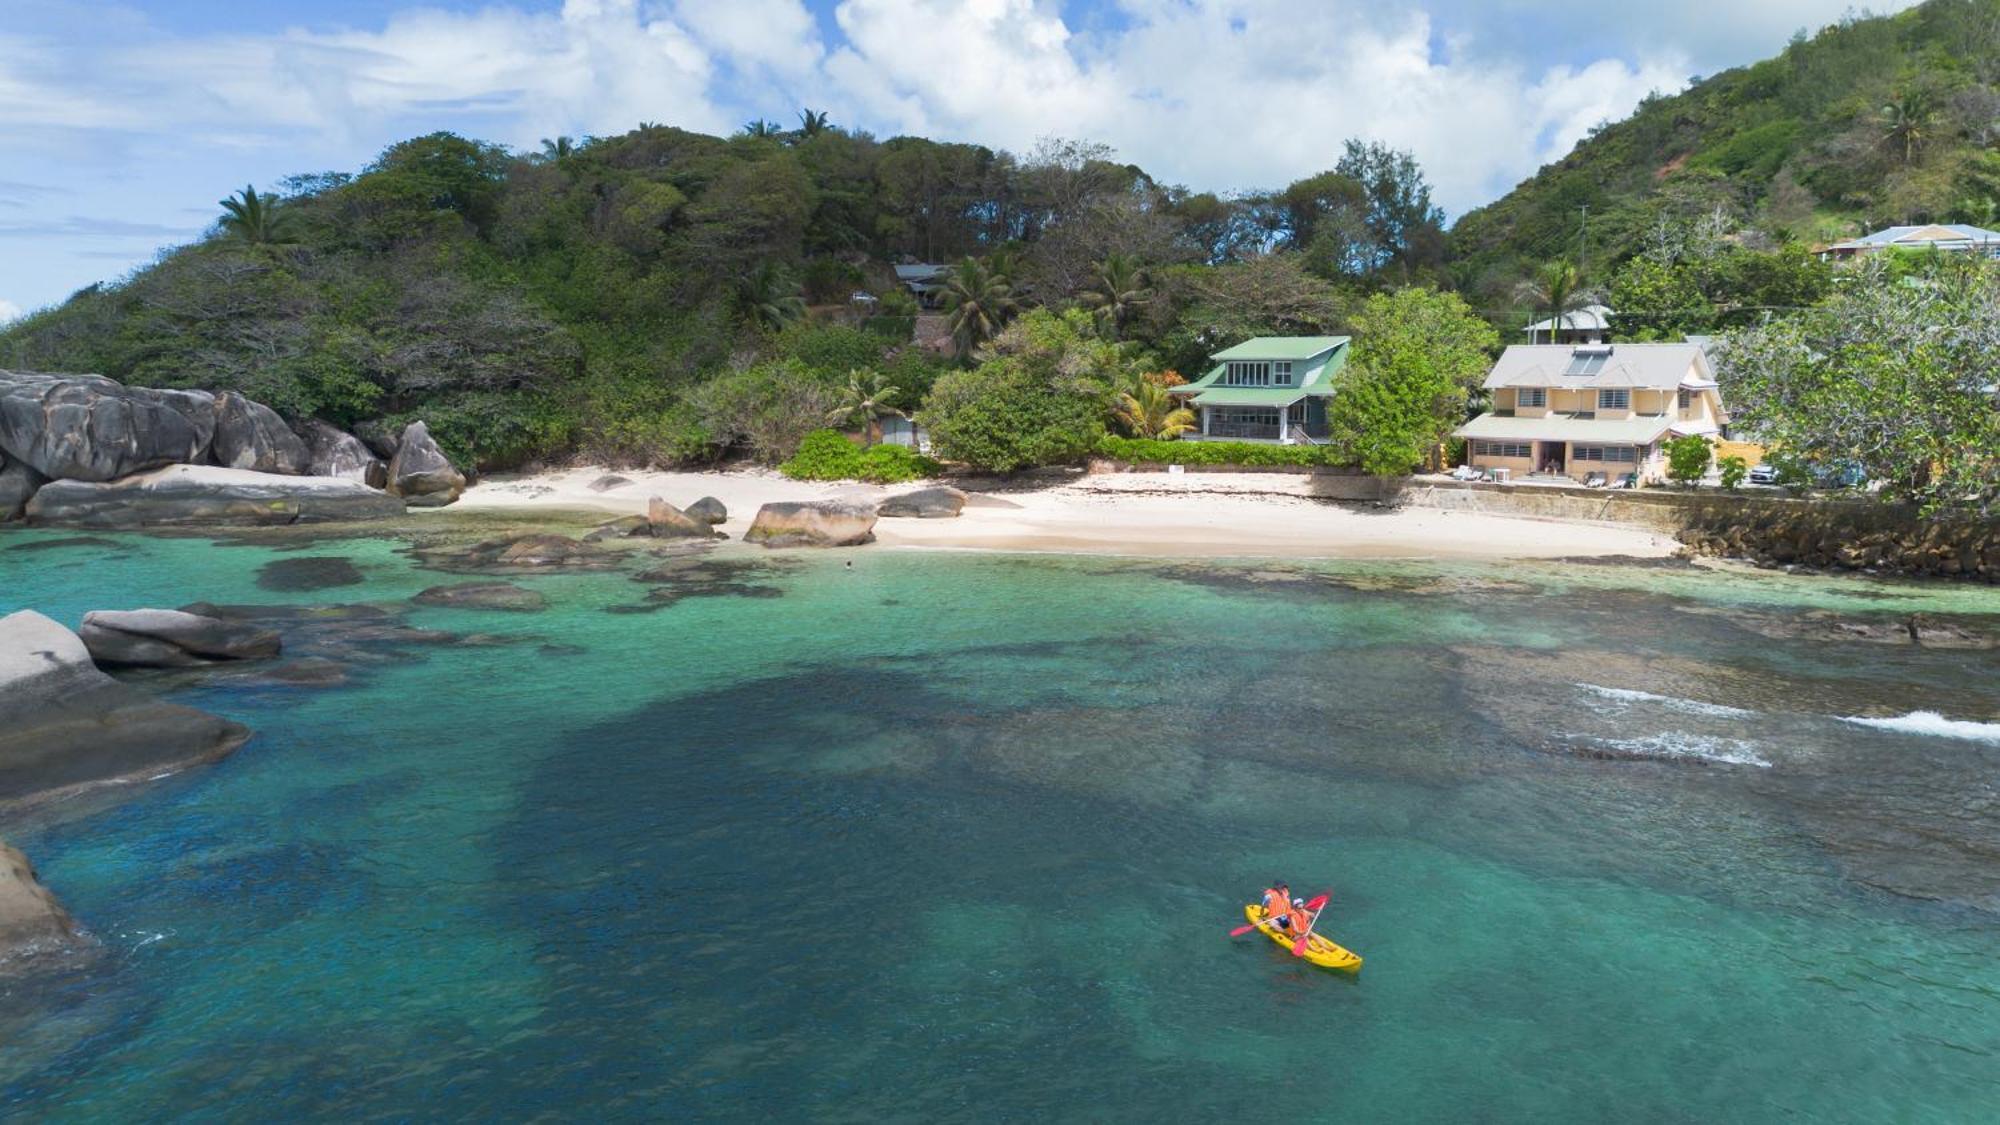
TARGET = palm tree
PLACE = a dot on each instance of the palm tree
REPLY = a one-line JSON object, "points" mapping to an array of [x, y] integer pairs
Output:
{"points": [[1556, 289], [1906, 122], [769, 298], [257, 219], [558, 150], [869, 396], [978, 303], [1115, 292], [812, 123], [761, 128], [1148, 410]]}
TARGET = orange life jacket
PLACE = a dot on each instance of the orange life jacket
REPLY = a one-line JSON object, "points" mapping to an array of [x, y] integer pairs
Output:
{"points": [[1276, 903]]}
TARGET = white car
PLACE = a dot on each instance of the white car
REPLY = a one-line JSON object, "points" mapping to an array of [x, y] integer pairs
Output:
{"points": [[1763, 474]]}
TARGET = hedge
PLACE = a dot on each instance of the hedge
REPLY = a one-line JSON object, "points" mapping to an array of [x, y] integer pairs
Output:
{"points": [[1148, 451]]}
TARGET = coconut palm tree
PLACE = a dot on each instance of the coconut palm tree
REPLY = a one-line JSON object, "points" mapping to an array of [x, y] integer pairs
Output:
{"points": [[761, 128], [812, 123], [869, 396], [1115, 291], [257, 219], [1906, 123], [557, 150], [769, 298], [1148, 410], [978, 303], [1557, 289]]}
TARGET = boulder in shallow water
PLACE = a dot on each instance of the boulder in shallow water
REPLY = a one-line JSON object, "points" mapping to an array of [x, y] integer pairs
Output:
{"points": [[708, 510], [925, 504], [64, 725], [669, 522], [420, 472], [337, 453], [483, 595], [250, 435], [813, 523], [87, 427], [204, 496], [18, 483], [33, 925], [170, 638]]}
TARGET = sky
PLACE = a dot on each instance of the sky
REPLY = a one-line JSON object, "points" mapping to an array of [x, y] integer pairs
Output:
{"points": [[122, 125]]}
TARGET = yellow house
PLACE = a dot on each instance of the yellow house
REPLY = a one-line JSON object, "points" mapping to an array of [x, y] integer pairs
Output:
{"points": [[1593, 410]]}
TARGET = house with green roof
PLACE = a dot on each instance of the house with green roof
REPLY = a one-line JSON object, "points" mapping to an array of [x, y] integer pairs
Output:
{"points": [[1271, 388]]}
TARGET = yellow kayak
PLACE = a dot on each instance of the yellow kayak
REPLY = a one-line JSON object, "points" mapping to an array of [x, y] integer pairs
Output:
{"points": [[1320, 951]]}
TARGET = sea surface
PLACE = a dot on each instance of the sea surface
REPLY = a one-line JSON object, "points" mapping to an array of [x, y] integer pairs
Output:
{"points": [[947, 836]]}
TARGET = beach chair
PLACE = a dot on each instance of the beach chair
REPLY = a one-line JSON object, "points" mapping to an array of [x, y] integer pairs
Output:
{"points": [[1595, 480]]}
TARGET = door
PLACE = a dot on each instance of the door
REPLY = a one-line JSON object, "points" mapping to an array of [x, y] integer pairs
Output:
{"points": [[1553, 458]]}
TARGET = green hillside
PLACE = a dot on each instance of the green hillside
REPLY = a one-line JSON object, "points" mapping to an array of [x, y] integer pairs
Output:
{"points": [[1872, 122]]}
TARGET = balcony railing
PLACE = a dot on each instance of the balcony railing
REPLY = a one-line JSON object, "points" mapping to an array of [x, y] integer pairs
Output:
{"points": [[1258, 431]]}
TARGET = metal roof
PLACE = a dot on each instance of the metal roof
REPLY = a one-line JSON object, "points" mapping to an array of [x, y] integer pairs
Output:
{"points": [[1315, 361], [1641, 430], [1660, 366], [1249, 396], [1281, 347], [1945, 236], [1589, 318]]}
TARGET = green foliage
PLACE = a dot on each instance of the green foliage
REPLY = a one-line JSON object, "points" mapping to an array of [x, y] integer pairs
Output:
{"points": [[1734, 470], [828, 455], [256, 219], [1703, 289], [978, 302], [1688, 458], [1417, 357], [1147, 410], [767, 408], [828, 350], [1145, 451]]}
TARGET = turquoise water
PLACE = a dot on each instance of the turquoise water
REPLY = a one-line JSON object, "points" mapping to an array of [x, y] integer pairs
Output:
{"points": [[961, 836]]}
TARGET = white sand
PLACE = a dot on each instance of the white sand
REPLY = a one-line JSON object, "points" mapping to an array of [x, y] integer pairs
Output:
{"points": [[1212, 515]]}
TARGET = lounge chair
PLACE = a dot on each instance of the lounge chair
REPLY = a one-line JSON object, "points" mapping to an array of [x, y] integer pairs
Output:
{"points": [[1594, 480], [1629, 480]]}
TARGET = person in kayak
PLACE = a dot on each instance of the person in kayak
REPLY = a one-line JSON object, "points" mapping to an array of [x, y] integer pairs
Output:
{"points": [[1279, 908]]}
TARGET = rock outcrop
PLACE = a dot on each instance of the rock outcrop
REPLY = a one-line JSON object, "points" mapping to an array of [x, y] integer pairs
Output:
{"points": [[64, 725], [483, 595], [33, 925], [18, 482], [380, 437], [669, 522], [335, 453], [169, 638], [420, 473], [89, 428], [813, 523], [623, 527], [519, 554], [609, 481], [708, 510], [205, 495], [250, 435], [1850, 535], [925, 504]]}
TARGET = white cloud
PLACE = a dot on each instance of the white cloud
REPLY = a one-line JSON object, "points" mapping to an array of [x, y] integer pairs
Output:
{"points": [[9, 311]]}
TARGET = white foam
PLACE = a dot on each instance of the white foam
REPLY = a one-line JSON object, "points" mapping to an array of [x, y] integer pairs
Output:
{"points": [[1690, 706], [1931, 723], [1692, 747]]}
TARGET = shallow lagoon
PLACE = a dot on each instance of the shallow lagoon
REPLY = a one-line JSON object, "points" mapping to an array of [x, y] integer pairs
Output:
{"points": [[951, 835]]}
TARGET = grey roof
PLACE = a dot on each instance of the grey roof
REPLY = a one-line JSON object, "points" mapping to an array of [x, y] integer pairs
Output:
{"points": [[922, 273], [1660, 366], [1589, 318], [1640, 429], [1945, 236]]}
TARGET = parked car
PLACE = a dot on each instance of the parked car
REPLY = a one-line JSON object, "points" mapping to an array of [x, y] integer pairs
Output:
{"points": [[1763, 474]]}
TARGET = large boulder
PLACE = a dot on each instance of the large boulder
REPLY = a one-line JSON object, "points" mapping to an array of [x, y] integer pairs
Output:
{"points": [[18, 482], [32, 923], [66, 726], [169, 638], [813, 523], [205, 495], [87, 427], [420, 472], [708, 510], [380, 437], [669, 522], [250, 435], [333, 452], [925, 504]]}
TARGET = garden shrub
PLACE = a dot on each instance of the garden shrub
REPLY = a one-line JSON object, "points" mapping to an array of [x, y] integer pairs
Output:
{"points": [[828, 455]]}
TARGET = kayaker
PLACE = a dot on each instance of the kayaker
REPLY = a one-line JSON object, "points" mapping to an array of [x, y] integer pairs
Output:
{"points": [[1278, 906]]}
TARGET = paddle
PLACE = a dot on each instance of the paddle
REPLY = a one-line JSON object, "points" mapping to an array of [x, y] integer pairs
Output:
{"points": [[1317, 906]]}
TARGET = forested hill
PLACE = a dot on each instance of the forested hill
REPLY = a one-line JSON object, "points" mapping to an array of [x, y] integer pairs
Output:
{"points": [[1872, 122]]}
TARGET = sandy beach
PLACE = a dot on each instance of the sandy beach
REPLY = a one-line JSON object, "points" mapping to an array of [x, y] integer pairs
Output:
{"points": [[1190, 515]]}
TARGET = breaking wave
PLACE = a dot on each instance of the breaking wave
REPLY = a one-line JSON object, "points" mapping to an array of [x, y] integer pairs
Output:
{"points": [[1932, 723], [1679, 746], [1689, 706]]}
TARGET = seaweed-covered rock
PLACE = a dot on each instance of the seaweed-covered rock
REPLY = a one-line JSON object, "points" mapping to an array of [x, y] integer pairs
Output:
{"points": [[206, 495], [925, 504], [250, 435], [420, 472], [170, 638], [708, 510], [89, 428], [483, 595], [813, 523]]}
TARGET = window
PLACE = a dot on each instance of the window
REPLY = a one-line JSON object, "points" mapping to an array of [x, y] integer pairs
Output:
{"points": [[1686, 398], [1531, 396], [1245, 416], [1502, 449], [1281, 374], [1619, 399], [1249, 375], [1620, 454]]}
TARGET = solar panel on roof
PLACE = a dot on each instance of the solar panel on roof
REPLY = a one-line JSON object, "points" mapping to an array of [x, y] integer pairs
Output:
{"points": [[1586, 362]]}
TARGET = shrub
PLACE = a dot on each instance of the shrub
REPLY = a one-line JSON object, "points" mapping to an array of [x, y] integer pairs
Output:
{"points": [[1145, 451], [999, 417], [1688, 458], [828, 455], [769, 408], [1734, 469]]}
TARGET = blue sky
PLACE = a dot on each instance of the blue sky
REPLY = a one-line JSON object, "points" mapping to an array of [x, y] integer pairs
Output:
{"points": [[122, 124]]}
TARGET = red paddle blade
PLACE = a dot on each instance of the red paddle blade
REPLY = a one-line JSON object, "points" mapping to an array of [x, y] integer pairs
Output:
{"points": [[1299, 946], [1317, 903], [1241, 930]]}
